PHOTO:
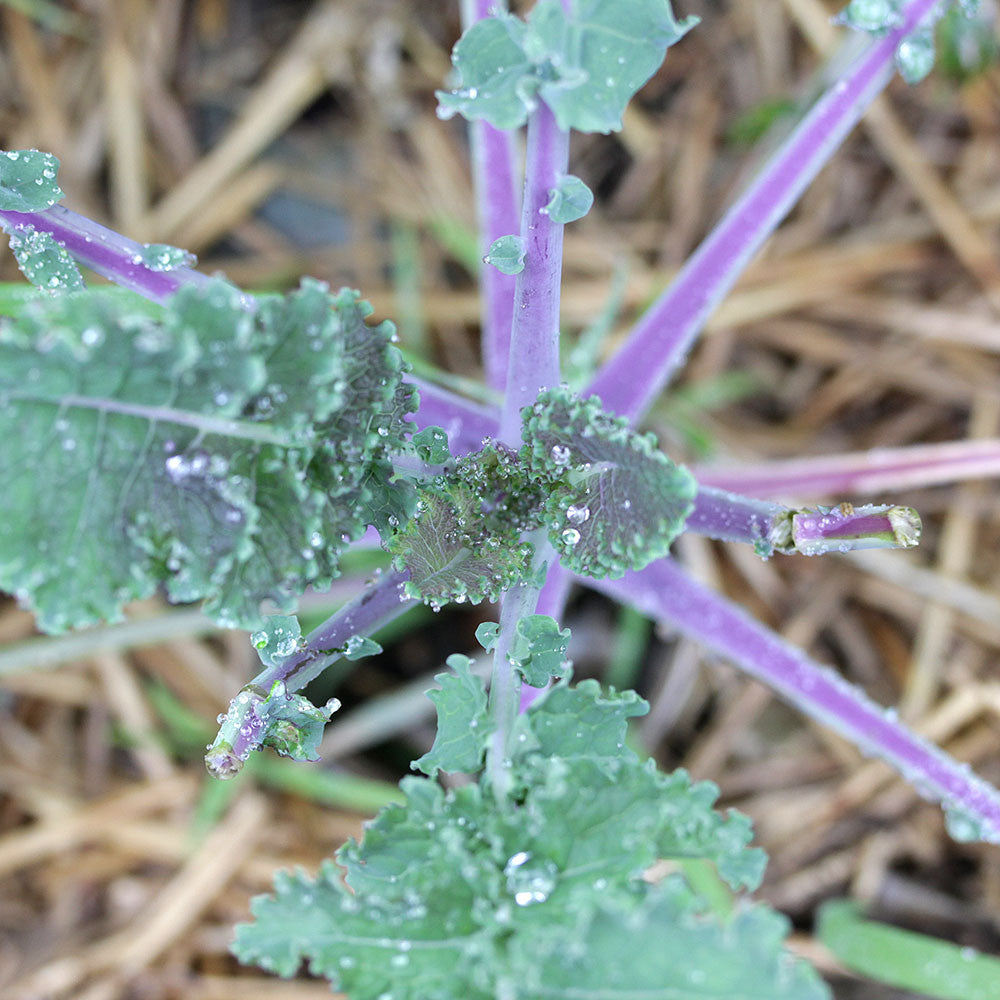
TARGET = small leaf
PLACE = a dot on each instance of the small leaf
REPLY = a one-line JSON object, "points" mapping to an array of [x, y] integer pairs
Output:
{"points": [[915, 55], [162, 257], [618, 502], [539, 649], [280, 636], [874, 16], [360, 646], [432, 445], [487, 634], [44, 261], [570, 200], [28, 181], [506, 254], [463, 727]]}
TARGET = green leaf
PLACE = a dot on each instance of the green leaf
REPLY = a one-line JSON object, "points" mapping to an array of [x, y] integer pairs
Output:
{"points": [[585, 63], [660, 942], [163, 257], [487, 634], [594, 58], [493, 77], [360, 646], [464, 541], [617, 502], [506, 254], [570, 200], [463, 726], [28, 181], [235, 447], [44, 261], [551, 724], [280, 636], [432, 445], [538, 650], [906, 959], [874, 16], [455, 898]]}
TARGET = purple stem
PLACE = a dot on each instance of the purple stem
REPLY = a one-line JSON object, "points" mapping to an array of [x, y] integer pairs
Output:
{"points": [[494, 156], [243, 729], [660, 342], [103, 250], [664, 592], [863, 472], [534, 345]]}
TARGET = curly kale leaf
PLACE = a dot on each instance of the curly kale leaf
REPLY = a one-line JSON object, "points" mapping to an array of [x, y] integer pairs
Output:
{"points": [[616, 502], [464, 542], [222, 453], [453, 897]]}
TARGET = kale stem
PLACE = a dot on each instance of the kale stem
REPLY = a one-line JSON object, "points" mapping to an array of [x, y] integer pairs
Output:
{"points": [[494, 155], [534, 346], [104, 251], [505, 686], [878, 471], [665, 592], [241, 730], [661, 340]]}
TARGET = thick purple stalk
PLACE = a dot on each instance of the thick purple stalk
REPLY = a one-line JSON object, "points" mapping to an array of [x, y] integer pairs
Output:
{"points": [[104, 251], [863, 472], [770, 527], [494, 174], [732, 518], [660, 342], [534, 344], [244, 728], [664, 592]]}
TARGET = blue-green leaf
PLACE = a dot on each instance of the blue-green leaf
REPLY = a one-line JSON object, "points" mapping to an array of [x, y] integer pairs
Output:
{"points": [[493, 77], [585, 63], [570, 200], [28, 181], [660, 942], [163, 257], [463, 727], [235, 448], [593, 58], [506, 254], [620, 502], [538, 649], [44, 261], [432, 445]]}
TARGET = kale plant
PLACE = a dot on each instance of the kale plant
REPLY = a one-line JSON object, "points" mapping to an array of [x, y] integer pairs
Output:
{"points": [[227, 448]]}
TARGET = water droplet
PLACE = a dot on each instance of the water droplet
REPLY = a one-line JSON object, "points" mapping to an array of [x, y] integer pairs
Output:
{"points": [[560, 454], [570, 536], [577, 515]]}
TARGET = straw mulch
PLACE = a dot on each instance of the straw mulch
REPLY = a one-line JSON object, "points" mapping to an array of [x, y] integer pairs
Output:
{"points": [[281, 139]]}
